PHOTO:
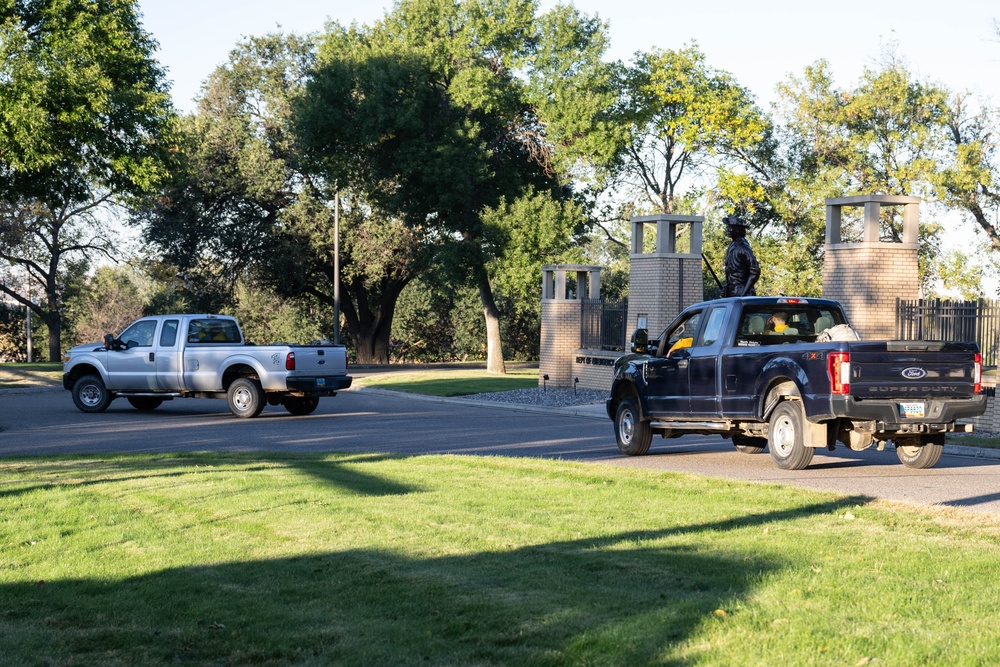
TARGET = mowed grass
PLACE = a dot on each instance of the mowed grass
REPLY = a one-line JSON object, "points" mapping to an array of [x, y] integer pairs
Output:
{"points": [[28, 375], [452, 382], [386, 560]]}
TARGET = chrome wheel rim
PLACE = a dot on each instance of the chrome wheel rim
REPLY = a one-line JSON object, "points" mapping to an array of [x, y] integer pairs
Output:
{"points": [[784, 435], [626, 427], [242, 399], [91, 395]]}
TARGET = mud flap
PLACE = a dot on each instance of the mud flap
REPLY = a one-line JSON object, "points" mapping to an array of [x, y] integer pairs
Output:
{"points": [[816, 435]]}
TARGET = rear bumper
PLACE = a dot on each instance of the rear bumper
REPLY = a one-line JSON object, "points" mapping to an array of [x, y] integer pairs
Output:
{"points": [[886, 415], [321, 384]]}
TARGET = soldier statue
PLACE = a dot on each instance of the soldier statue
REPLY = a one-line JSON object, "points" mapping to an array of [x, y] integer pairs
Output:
{"points": [[742, 269]]}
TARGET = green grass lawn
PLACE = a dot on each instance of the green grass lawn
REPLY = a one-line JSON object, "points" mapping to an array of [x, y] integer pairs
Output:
{"points": [[27, 375], [376, 560], [461, 382]]}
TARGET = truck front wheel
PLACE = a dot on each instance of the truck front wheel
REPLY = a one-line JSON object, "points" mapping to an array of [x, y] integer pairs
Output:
{"points": [[633, 434], [90, 394], [246, 397], [786, 437], [918, 456]]}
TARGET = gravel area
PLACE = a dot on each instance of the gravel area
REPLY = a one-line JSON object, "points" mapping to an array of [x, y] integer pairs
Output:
{"points": [[555, 398]]}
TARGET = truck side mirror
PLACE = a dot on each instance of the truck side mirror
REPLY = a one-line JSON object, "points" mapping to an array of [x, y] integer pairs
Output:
{"points": [[110, 343], [640, 341]]}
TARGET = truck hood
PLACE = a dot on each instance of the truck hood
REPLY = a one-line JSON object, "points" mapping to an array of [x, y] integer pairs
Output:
{"points": [[86, 347]]}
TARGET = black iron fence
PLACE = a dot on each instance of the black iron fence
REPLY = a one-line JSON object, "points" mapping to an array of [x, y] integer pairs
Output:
{"points": [[602, 324], [943, 319]]}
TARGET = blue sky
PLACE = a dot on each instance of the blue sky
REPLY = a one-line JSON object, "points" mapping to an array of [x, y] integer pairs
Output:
{"points": [[760, 42]]}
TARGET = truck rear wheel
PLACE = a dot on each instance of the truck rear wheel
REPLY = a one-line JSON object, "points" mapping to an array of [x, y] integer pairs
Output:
{"points": [[633, 434], [90, 394], [301, 405], [246, 397], [786, 437], [145, 403], [918, 456]]}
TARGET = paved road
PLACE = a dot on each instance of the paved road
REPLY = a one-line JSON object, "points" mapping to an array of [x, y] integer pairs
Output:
{"points": [[44, 421]]}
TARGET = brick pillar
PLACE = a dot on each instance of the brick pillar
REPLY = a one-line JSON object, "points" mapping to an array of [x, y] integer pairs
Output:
{"points": [[563, 288], [867, 277], [665, 274]]}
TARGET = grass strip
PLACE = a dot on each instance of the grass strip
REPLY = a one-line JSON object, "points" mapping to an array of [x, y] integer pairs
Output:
{"points": [[368, 559], [28, 375], [460, 382]]}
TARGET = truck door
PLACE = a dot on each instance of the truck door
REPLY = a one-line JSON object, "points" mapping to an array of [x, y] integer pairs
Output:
{"points": [[667, 373], [703, 365], [133, 368], [169, 362]]}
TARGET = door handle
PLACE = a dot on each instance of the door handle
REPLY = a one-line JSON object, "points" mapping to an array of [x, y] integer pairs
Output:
{"points": [[152, 356]]}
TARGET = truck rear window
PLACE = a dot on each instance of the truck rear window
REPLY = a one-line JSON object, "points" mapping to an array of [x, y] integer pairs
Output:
{"points": [[213, 331], [785, 323]]}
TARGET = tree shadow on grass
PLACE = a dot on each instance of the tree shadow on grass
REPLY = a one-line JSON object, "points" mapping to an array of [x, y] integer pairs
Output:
{"points": [[333, 470], [622, 599]]}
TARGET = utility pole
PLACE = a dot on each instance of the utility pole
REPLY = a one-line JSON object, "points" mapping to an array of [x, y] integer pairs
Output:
{"points": [[336, 266]]}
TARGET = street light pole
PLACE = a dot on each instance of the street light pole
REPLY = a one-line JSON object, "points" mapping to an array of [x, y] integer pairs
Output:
{"points": [[336, 267]]}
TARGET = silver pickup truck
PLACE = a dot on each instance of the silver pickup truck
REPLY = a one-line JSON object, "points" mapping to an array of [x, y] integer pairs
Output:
{"points": [[201, 356]]}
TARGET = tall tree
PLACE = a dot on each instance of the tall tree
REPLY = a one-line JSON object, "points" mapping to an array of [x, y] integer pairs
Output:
{"points": [[681, 119], [434, 105], [84, 119], [244, 203]]}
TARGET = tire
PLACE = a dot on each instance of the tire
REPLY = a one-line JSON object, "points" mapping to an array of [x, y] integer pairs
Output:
{"points": [[145, 403], [921, 456], [786, 437], [632, 433], [301, 405], [246, 397], [90, 394], [747, 445]]}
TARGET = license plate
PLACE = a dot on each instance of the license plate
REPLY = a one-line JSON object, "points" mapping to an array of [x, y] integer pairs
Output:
{"points": [[321, 382], [911, 410]]}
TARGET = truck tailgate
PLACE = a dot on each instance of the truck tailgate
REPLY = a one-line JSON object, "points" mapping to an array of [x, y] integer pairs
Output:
{"points": [[902, 369], [314, 360]]}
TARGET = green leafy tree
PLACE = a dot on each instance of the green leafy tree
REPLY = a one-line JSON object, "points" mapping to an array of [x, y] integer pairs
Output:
{"points": [[244, 205], [886, 135], [434, 105], [84, 121]]}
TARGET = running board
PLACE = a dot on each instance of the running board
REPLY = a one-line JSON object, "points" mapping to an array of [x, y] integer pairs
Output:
{"points": [[151, 394], [693, 426]]}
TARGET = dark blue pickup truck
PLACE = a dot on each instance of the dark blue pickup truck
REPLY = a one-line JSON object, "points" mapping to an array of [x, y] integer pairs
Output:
{"points": [[790, 375]]}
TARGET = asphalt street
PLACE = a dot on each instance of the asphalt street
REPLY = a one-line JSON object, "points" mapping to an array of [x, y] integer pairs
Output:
{"points": [[43, 421]]}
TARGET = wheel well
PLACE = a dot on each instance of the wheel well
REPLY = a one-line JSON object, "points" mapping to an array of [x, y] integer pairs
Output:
{"points": [[238, 371], [620, 392], [81, 370], [780, 389]]}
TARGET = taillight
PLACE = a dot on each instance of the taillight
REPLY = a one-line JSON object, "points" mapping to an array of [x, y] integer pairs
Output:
{"points": [[290, 361], [977, 374], [838, 366]]}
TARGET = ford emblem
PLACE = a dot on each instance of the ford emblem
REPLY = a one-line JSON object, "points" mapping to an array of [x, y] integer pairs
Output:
{"points": [[913, 373]]}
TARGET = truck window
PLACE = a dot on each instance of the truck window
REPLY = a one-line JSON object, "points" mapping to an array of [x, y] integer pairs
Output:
{"points": [[139, 334], [168, 335], [783, 323], [713, 329], [213, 331], [680, 336]]}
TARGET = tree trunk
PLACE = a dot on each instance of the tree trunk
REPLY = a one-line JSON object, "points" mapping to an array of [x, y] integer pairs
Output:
{"points": [[54, 323], [494, 346]]}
